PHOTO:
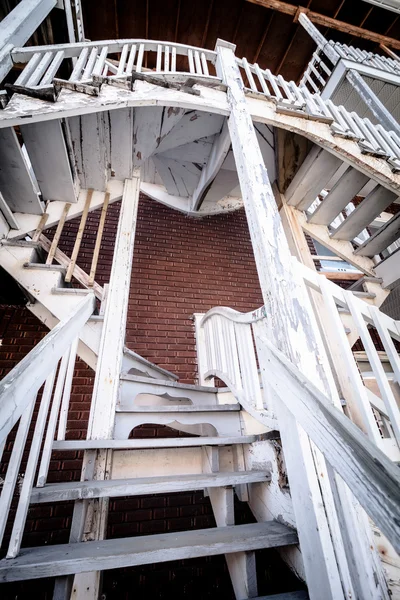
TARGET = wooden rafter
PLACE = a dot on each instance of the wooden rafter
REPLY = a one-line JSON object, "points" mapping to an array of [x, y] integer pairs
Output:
{"points": [[204, 37], [263, 37], [178, 12], [279, 67], [318, 19]]}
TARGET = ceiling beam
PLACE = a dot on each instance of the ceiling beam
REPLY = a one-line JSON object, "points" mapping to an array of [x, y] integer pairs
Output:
{"points": [[203, 39], [318, 19]]}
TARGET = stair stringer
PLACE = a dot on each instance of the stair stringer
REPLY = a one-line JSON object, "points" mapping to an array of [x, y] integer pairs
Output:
{"points": [[39, 284]]}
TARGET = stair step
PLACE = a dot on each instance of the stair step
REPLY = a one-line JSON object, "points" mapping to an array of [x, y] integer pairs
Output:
{"points": [[141, 444], [130, 359], [140, 486], [30, 265], [179, 408], [171, 384], [71, 291], [365, 295], [67, 559], [20, 243]]}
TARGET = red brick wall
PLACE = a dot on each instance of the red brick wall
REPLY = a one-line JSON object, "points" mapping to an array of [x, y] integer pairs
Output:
{"points": [[181, 266]]}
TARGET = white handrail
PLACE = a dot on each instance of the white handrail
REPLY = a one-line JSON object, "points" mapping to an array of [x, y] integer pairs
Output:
{"points": [[20, 386], [230, 354], [18, 392], [371, 476], [23, 54]]}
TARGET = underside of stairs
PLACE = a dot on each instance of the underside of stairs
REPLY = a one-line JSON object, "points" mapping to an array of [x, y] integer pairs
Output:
{"points": [[279, 438]]}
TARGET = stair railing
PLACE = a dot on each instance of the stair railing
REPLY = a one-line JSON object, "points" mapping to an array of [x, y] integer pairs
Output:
{"points": [[367, 409], [291, 98], [51, 365], [234, 343], [230, 353], [320, 66], [111, 59]]}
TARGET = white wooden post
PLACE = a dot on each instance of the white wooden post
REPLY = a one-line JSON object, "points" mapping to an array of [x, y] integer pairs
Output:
{"points": [[109, 364], [292, 332]]}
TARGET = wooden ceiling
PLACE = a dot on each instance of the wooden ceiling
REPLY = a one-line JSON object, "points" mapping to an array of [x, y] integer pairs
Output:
{"points": [[262, 35]]}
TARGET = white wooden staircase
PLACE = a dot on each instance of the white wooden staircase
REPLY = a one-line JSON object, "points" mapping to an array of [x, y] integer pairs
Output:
{"points": [[202, 144], [213, 461]]}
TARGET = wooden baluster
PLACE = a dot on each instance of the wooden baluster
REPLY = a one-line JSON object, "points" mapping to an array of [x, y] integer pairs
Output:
{"points": [[29, 69], [380, 375], [99, 66], [98, 239], [57, 234], [40, 70], [191, 61], [197, 63], [159, 57], [87, 73], [249, 75], [131, 59], [79, 65], [53, 68], [166, 59], [24, 498], [122, 60], [62, 422], [173, 59], [78, 240], [11, 477], [140, 59], [204, 64], [51, 427]]}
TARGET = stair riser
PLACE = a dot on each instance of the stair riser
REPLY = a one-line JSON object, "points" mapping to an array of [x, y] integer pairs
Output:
{"points": [[223, 423], [164, 462], [135, 393], [134, 367]]}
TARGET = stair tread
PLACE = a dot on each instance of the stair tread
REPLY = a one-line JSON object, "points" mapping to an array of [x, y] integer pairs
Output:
{"points": [[155, 442], [173, 384], [65, 559], [54, 267], [144, 361], [113, 488], [75, 291], [179, 408]]}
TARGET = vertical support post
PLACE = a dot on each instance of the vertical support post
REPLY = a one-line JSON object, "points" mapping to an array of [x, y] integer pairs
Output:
{"points": [[292, 331], [106, 385]]}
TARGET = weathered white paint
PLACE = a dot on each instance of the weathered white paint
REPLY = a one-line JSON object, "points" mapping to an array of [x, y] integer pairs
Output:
{"points": [[18, 26], [101, 419], [219, 151], [47, 151], [371, 476], [291, 329], [19, 387], [29, 223], [16, 183], [78, 558]]}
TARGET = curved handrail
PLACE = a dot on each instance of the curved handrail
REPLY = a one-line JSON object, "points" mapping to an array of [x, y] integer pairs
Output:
{"points": [[22, 54], [235, 315]]}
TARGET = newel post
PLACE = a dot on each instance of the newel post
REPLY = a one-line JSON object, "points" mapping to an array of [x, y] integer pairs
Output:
{"points": [[291, 330]]}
